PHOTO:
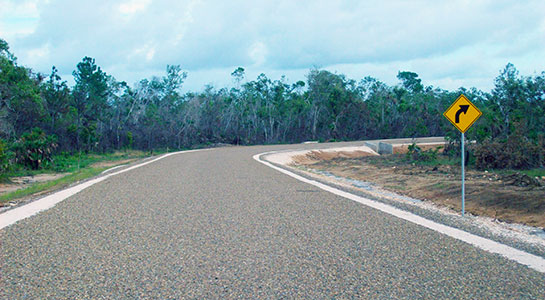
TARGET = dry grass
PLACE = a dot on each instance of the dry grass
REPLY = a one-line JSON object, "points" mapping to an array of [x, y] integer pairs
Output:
{"points": [[318, 156], [402, 149], [487, 193]]}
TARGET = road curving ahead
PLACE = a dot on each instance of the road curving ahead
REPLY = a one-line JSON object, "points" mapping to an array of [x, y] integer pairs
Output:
{"points": [[219, 224]]}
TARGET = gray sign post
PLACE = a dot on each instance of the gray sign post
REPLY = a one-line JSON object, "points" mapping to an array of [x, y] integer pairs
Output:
{"points": [[462, 114], [463, 178]]}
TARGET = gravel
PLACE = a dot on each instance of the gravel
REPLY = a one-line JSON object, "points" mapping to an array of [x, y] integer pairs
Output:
{"points": [[217, 224]]}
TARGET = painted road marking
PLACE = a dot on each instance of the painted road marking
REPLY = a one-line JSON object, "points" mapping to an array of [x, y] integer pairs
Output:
{"points": [[533, 261], [13, 215]]}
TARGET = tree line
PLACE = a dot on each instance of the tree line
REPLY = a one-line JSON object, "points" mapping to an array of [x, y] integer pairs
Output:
{"points": [[40, 115]]}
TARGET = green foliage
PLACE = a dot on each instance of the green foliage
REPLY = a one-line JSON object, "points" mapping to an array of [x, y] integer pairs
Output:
{"points": [[416, 153], [57, 183], [21, 106], [34, 149], [65, 162], [130, 139], [5, 157], [238, 75], [100, 114], [411, 81]]}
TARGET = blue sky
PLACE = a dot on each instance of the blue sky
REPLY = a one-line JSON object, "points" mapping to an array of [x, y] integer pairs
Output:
{"points": [[448, 43]]}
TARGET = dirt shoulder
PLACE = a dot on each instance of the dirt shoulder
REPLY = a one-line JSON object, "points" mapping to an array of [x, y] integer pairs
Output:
{"points": [[512, 199], [21, 182], [22, 189]]}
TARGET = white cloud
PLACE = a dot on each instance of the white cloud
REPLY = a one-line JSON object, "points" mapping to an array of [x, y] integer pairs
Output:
{"points": [[18, 18], [133, 6], [147, 52], [445, 42], [150, 54], [258, 53], [34, 56]]}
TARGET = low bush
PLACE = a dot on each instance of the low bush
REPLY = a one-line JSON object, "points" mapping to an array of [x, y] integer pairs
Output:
{"points": [[5, 156], [35, 149], [416, 153], [516, 152]]}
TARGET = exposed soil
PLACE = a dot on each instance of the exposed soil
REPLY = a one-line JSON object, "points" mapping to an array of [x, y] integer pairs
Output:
{"points": [[400, 149], [25, 181], [514, 198], [316, 156], [106, 164], [22, 182]]}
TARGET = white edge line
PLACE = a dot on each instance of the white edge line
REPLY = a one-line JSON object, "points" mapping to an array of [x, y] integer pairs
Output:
{"points": [[533, 261], [113, 168], [13, 215]]}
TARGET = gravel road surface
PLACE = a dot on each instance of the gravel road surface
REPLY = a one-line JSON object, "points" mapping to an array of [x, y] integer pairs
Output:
{"points": [[217, 224]]}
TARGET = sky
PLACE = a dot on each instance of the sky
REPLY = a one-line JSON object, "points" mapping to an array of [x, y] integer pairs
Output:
{"points": [[449, 44]]}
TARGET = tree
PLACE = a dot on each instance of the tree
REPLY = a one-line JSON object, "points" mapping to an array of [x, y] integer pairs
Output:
{"points": [[90, 100], [57, 99], [509, 97], [410, 81], [332, 97], [21, 106], [238, 75]]}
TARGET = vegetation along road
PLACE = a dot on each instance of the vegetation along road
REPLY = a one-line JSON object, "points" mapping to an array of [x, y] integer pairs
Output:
{"points": [[218, 224]]}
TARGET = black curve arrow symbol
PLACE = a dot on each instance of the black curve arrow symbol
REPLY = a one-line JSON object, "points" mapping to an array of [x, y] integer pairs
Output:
{"points": [[463, 109]]}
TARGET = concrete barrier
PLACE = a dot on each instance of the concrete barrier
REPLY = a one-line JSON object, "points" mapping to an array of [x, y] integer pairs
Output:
{"points": [[385, 148], [372, 145]]}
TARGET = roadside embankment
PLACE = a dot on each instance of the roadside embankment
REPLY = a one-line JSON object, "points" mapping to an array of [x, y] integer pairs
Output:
{"points": [[505, 203]]}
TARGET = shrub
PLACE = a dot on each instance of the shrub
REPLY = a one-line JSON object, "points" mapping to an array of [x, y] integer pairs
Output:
{"points": [[4, 159], [517, 152], [35, 148], [416, 153], [130, 139]]}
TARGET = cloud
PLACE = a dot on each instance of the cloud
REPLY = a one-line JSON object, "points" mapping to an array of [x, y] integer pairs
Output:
{"points": [[448, 41], [133, 6], [258, 53], [18, 18]]}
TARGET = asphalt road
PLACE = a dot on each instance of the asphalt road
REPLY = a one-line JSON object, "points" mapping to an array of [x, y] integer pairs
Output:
{"points": [[217, 224]]}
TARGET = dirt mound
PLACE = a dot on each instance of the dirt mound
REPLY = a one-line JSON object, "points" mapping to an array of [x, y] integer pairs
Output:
{"points": [[402, 149], [515, 198], [522, 180], [318, 155]]}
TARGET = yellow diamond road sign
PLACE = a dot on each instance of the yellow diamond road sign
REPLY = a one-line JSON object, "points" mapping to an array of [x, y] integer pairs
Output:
{"points": [[462, 113]]}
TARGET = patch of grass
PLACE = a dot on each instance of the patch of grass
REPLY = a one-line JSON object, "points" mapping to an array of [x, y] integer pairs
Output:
{"points": [[66, 162], [401, 159], [78, 166], [442, 161], [53, 184], [438, 186], [534, 172], [396, 187], [70, 163]]}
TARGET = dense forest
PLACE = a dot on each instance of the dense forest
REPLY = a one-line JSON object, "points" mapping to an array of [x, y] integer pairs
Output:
{"points": [[41, 116]]}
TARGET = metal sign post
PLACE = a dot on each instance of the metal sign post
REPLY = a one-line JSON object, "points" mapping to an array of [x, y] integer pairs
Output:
{"points": [[462, 107], [463, 179]]}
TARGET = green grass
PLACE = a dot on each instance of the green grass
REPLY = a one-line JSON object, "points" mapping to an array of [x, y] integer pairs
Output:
{"points": [[534, 172], [538, 172], [53, 184], [438, 186], [395, 187], [74, 162], [441, 161], [78, 167]]}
